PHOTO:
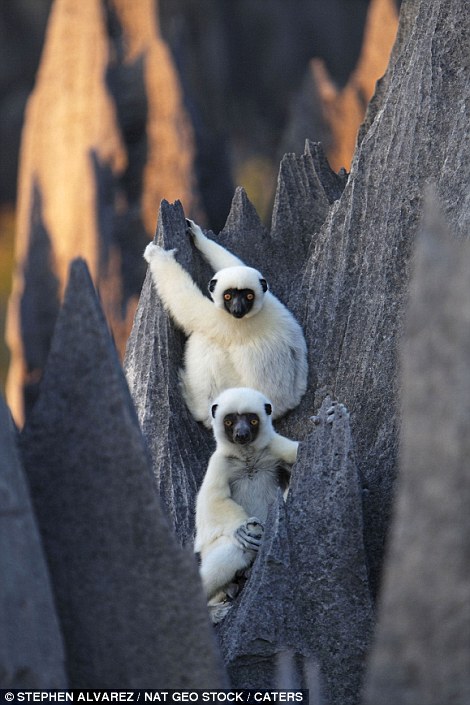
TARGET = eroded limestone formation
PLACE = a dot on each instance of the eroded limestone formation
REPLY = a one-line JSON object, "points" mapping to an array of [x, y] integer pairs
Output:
{"points": [[422, 642], [128, 596]]}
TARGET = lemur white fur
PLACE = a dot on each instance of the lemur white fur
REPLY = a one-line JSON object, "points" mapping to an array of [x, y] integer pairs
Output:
{"points": [[241, 481], [265, 349]]}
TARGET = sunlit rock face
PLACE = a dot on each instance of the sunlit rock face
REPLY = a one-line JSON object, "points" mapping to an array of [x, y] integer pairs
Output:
{"points": [[106, 137]]}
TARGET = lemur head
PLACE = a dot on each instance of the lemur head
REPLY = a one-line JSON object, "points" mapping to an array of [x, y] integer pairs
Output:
{"points": [[238, 290], [242, 416]]}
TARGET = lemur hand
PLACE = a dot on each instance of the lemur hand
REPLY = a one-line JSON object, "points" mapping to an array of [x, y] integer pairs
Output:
{"points": [[152, 251]]}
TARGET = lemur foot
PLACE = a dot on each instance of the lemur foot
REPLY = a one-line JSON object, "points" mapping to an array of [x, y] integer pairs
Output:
{"points": [[219, 610], [249, 534], [152, 251]]}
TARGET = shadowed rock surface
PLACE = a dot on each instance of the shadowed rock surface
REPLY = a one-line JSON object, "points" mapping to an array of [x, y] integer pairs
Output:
{"points": [[241, 64], [308, 592], [31, 649], [39, 305], [354, 289], [422, 648], [306, 188], [129, 599], [332, 113]]}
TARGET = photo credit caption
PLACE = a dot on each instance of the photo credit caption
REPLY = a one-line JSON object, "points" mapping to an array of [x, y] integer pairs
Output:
{"points": [[248, 697]]}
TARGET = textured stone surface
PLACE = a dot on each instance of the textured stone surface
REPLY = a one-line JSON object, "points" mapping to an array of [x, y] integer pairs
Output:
{"points": [[31, 649], [309, 590], [180, 448], [355, 282], [306, 188], [422, 648], [129, 599]]}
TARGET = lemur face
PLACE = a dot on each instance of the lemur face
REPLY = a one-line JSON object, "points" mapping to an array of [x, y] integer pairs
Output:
{"points": [[238, 302], [241, 428], [242, 417], [238, 290]]}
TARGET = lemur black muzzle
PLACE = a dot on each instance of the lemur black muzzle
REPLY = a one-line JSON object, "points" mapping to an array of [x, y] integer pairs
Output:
{"points": [[242, 432], [238, 305]]}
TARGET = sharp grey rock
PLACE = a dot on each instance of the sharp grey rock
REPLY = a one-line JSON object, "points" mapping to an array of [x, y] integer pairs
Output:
{"points": [[180, 447], [31, 649], [309, 590], [353, 292], [422, 646], [306, 188], [255, 629], [129, 598], [244, 234]]}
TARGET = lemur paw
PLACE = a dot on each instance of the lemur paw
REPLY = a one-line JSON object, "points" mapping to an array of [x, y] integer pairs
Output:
{"points": [[336, 410], [152, 251], [249, 534], [194, 231]]}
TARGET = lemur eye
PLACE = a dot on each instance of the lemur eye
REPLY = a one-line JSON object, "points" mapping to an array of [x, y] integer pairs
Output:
{"points": [[250, 297], [227, 297], [228, 423], [254, 422]]}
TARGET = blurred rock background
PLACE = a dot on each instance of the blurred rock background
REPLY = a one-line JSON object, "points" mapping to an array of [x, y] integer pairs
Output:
{"points": [[169, 98]]}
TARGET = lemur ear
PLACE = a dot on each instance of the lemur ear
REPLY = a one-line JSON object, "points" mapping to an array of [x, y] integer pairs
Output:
{"points": [[212, 284], [213, 410], [264, 284], [269, 409]]}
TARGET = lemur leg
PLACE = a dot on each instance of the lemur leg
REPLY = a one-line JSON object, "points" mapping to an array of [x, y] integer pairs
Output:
{"points": [[221, 563], [217, 256]]}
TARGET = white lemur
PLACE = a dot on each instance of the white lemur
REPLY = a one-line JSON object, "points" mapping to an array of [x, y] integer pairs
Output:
{"points": [[250, 463], [244, 337]]}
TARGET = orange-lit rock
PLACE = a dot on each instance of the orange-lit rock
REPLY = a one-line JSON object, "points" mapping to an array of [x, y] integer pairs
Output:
{"points": [[343, 110], [72, 131]]}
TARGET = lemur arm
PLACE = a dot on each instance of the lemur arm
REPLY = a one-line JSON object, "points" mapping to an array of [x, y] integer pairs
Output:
{"points": [[216, 512], [217, 256], [284, 448], [180, 295]]}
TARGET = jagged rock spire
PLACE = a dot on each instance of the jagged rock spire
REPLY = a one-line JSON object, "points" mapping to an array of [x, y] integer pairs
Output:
{"points": [[309, 591], [128, 598], [422, 647], [353, 292]]}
